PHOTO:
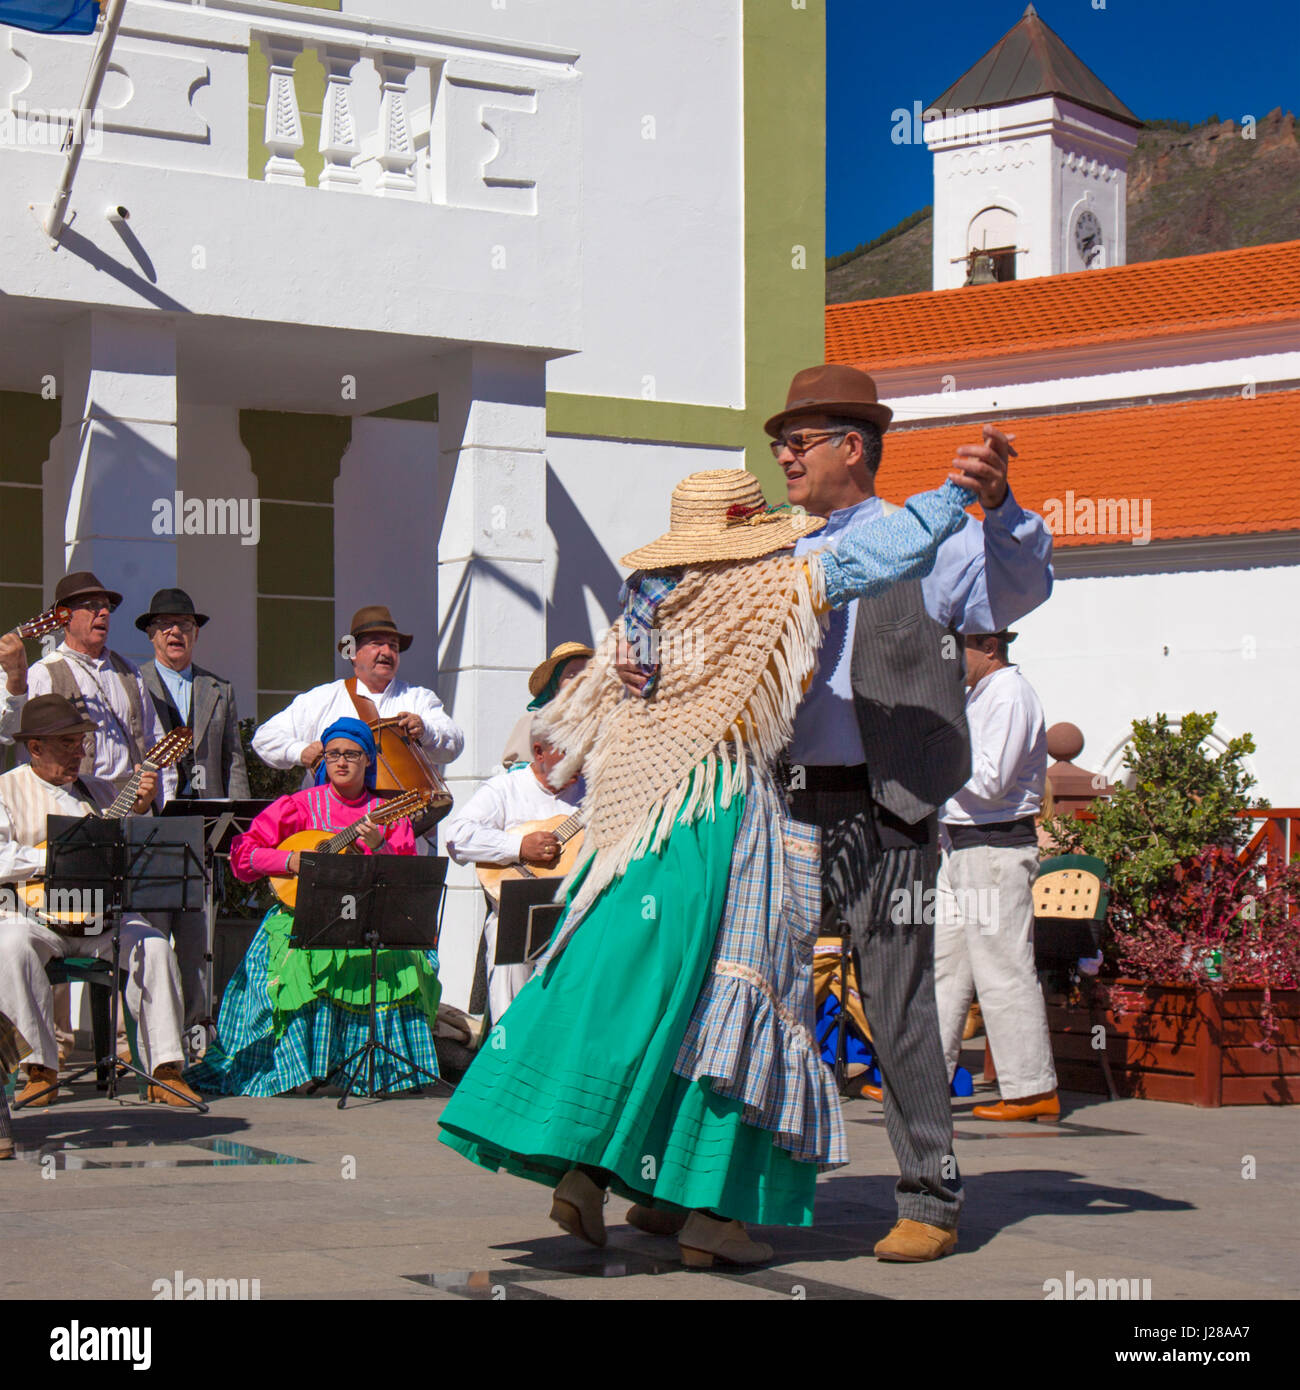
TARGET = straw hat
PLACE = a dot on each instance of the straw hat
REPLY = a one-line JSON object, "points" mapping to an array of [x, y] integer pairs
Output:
{"points": [[721, 514], [542, 674]]}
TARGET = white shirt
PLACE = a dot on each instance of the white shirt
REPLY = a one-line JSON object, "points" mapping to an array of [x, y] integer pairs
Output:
{"points": [[479, 832], [280, 741], [19, 862], [107, 705], [1008, 750], [11, 708]]}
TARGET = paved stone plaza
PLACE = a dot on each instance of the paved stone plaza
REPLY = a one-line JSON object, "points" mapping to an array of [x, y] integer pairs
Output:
{"points": [[107, 1198]]}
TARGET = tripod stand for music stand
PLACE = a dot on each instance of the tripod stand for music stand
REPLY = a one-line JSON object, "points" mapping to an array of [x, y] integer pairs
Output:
{"points": [[121, 866], [374, 902]]}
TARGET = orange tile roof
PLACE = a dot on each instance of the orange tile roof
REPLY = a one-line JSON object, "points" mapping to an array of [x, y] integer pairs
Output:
{"points": [[1208, 468], [1224, 289]]}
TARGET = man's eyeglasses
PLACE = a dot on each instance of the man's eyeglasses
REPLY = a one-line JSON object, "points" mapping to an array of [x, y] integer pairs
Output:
{"points": [[802, 440], [357, 757], [185, 625], [93, 605]]}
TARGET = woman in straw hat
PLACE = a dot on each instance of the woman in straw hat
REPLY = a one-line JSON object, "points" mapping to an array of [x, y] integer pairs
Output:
{"points": [[664, 1048]]}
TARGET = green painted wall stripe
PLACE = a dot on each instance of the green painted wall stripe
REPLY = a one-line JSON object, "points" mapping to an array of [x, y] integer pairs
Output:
{"points": [[670, 422], [423, 408], [785, 209]]}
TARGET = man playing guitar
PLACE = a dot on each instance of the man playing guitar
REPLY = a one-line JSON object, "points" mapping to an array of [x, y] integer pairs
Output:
{"points": [[55, 735], [489, 829]]}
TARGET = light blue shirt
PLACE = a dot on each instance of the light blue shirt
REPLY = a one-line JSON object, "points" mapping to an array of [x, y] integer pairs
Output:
{"points": [[985, 577], [180, 686]]}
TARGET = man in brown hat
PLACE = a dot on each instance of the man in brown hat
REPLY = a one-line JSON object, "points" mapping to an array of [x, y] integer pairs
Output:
{"points": [[103, 685], [373, 645], [565, 662], [54, 734], [880, 742]]}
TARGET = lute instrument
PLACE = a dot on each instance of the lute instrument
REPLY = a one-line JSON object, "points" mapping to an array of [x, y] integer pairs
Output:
{"points": [[406, 805], [566, 829], [170, 749]]}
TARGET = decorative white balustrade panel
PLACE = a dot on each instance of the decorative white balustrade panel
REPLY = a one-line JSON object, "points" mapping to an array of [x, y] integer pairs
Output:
{"points": [[408, 113]]}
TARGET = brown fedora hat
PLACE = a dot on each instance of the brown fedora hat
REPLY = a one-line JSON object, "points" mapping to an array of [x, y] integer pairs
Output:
{"points": [[48, 716], [372, 619], [81, 583], [832, 389]]}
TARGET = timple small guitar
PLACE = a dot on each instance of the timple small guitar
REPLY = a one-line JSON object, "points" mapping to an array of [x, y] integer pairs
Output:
{"points": [[285, 886], [566, 829], [171, 748]]}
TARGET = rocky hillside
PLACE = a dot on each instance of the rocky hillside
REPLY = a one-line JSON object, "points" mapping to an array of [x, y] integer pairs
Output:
{"points": [[1190, 190]]}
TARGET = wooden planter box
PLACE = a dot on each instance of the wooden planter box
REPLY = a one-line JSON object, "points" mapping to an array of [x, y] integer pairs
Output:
{"points": [[1180, 1043]]}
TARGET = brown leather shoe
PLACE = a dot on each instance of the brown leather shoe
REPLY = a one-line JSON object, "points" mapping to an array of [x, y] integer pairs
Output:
{"points": [[913, 1242], [1041, 1107], [974, 1022], [579, 1207], [871, 1092], [656, 1221], [38, 1079], [170, 1072], [704, 1239]]}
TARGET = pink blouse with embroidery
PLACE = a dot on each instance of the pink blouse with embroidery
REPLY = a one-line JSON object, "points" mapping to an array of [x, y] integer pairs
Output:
{"points": [[256, 852]]}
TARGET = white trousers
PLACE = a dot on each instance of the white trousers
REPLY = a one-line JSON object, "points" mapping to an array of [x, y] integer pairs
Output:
{"points": [[984, 943], [153, 990], [504, 981]]}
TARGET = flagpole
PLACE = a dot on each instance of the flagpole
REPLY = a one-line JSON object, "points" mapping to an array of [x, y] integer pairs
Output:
{"points": [[89, 100]]}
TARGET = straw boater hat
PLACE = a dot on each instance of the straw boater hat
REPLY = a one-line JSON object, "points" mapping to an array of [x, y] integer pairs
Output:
{"points": [[372, 619], [834, 388], [566, 651], [48, 716], [720, 514]]}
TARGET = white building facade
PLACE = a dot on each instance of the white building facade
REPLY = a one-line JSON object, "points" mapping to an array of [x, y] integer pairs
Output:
{"points": [[455, 306]]}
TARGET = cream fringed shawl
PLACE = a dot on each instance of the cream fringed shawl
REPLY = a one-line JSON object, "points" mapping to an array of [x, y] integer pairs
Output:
{"points": [[738, 642]]}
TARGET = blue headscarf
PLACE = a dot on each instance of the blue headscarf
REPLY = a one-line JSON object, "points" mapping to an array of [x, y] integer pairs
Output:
{"points": [[356, 732]]}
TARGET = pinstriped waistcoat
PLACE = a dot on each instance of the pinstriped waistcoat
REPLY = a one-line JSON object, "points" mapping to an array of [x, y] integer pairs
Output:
{"points": [[908, 676]]}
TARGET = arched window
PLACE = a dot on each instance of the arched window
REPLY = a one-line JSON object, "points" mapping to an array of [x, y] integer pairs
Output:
{"points": [[993, 232]]}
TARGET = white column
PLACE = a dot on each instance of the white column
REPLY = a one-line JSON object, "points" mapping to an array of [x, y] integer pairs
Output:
{"points": [[283, 132], [491, 582], [115, 456], [397, 152], [338, 131]]}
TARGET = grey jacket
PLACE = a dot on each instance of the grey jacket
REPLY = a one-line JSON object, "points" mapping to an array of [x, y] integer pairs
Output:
{"points": [[217, 749]]}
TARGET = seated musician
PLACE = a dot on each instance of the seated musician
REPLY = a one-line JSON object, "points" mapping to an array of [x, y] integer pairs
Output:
{"points": [[56, 737], [374, 647], [290, 1017], [486, 830]]}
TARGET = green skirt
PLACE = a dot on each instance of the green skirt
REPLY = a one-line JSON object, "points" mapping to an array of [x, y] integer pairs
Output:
{"points": [[579, 1070]]}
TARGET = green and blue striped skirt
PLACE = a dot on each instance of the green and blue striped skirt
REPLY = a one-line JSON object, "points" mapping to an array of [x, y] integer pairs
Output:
{"points": [[290, 1016]]}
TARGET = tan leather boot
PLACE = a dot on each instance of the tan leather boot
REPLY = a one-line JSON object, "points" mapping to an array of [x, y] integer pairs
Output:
{"points": [[38, 1079], [914, 1242], [170, 1072]]}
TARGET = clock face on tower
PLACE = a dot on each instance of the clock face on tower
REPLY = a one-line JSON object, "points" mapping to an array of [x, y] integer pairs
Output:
{"points": [[1087, 237]]}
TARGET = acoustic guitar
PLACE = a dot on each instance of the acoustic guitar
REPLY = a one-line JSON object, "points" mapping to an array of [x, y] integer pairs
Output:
{"points": [[171, 748], [566, 829], [403, 807]]}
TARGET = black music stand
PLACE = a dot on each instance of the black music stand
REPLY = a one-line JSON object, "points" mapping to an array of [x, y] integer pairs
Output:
{"points": [[135, 864], [222, 821], [373, 902], [526, 917]]}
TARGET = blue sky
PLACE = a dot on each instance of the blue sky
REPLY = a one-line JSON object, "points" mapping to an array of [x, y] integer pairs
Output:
{"points": [[1176, 59]]}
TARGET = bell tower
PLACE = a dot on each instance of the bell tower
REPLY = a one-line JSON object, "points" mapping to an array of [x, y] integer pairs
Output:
{"points": [[1031, 155]]}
